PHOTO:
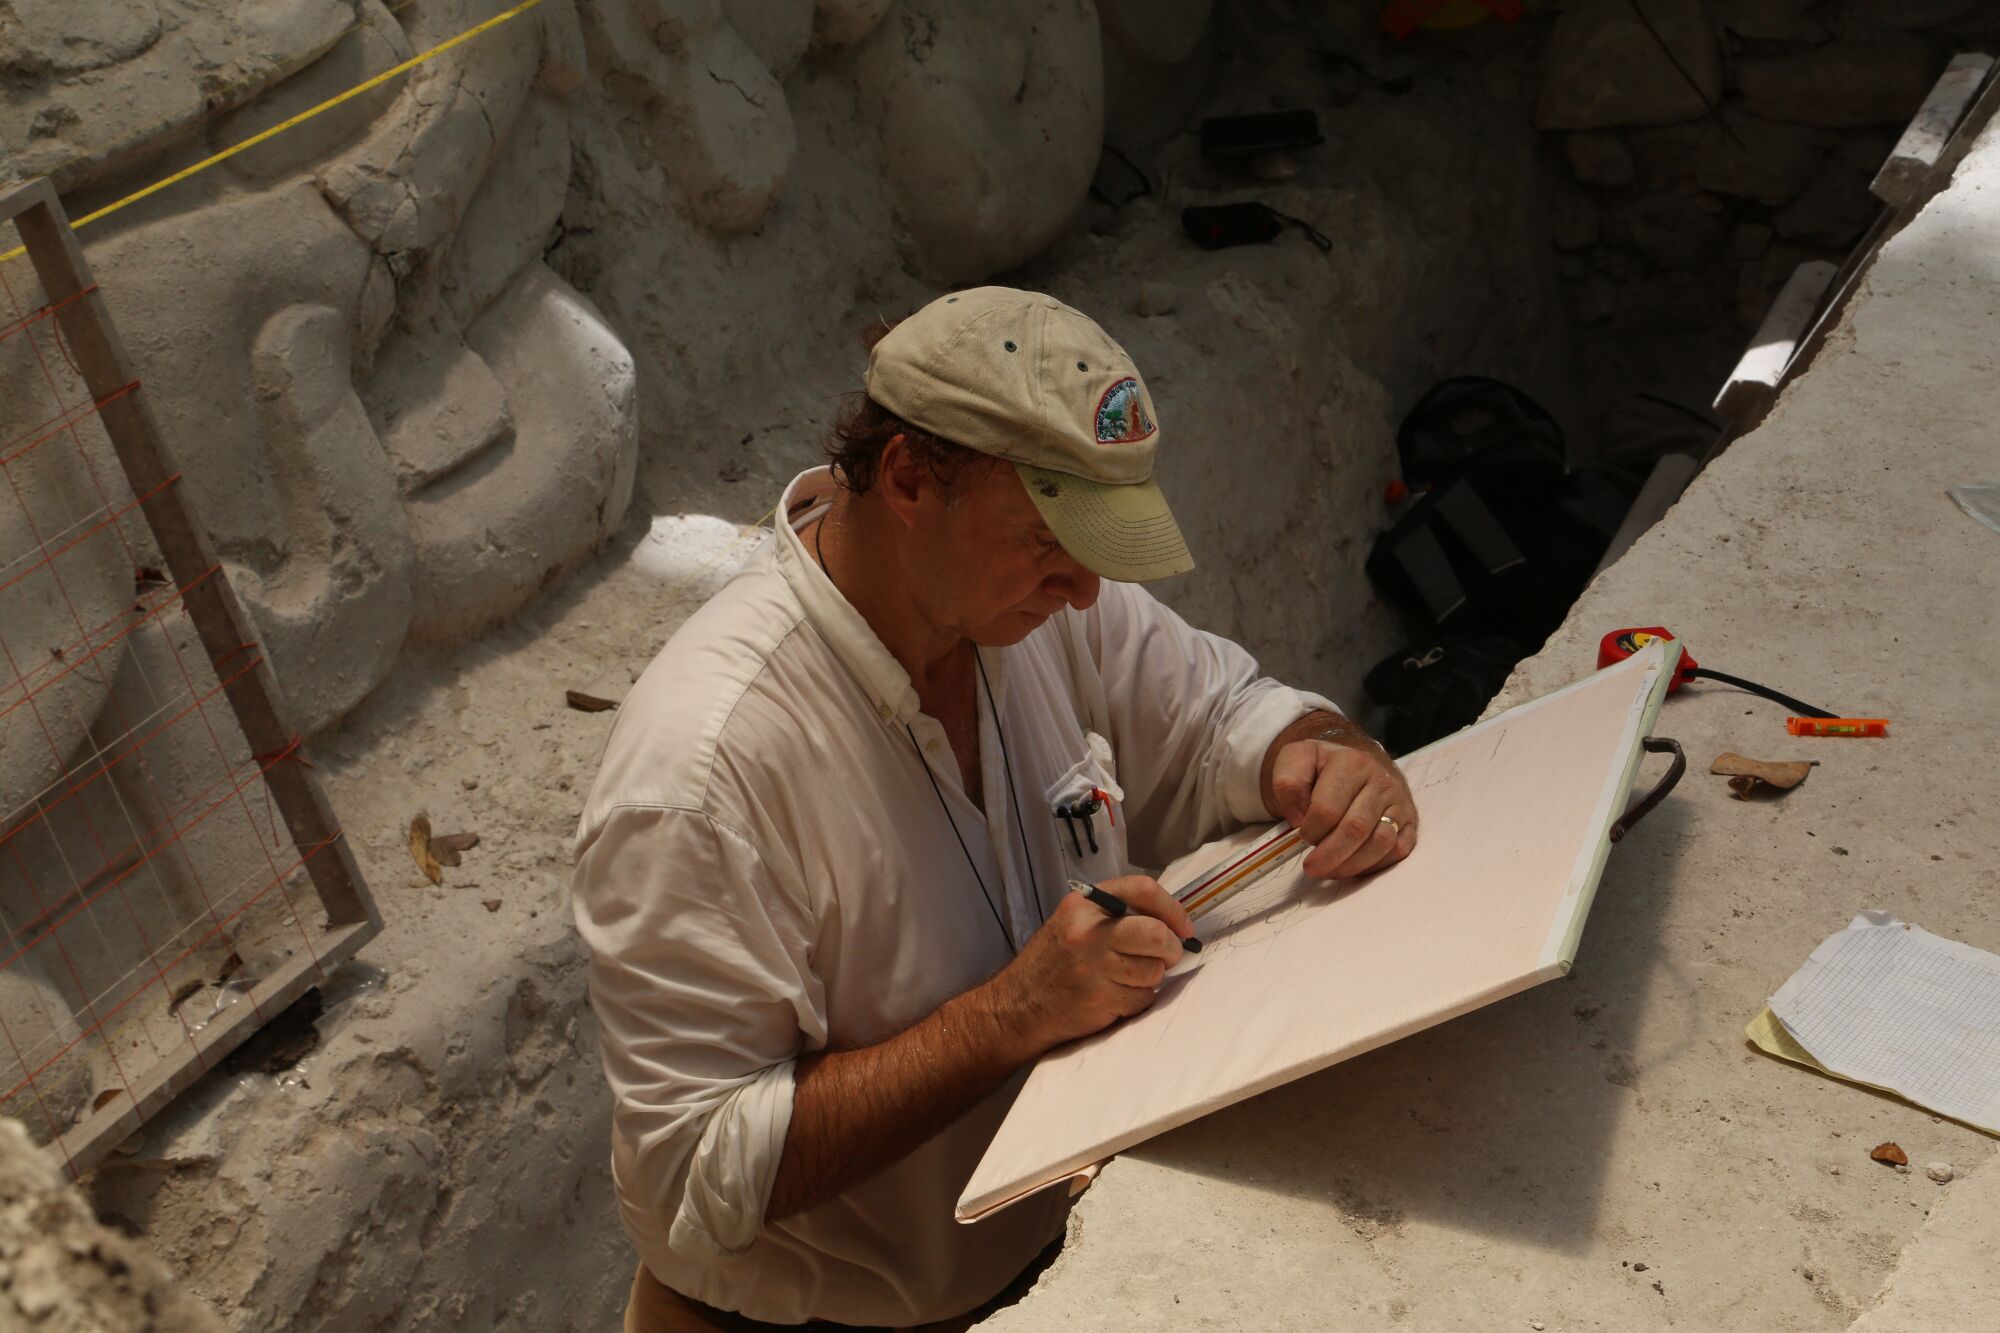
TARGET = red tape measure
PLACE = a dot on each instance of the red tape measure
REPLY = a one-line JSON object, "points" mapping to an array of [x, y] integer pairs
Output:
{"points": [[1620, 644]]}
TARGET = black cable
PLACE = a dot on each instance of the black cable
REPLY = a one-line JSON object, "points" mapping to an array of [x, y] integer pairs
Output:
{"points": [[1313, 234], [1797, 706], [1668, 52], [970, 864], [943, 805]]}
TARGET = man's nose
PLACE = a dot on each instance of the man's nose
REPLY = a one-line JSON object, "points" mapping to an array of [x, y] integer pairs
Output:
{"points": [[1073, 583]]}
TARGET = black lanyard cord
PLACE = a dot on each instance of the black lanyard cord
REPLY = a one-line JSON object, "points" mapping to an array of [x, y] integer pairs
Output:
{"points": [[1006, 761], [970, 864], [1013, 796], [1013, 792]]}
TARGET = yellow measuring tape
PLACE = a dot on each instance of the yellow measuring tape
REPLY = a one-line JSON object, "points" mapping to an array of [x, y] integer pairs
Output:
{"points": [[300, 119]]}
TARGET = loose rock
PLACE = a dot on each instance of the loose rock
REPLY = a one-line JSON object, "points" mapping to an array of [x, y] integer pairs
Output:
{"points": [[1156, 298], [1598, 157], [1941, 1172], [1606, 68], [1834, 210], [1877, 81]]}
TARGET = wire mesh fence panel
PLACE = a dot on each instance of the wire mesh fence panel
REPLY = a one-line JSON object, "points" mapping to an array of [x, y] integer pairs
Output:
{"points": [[171, 875]]}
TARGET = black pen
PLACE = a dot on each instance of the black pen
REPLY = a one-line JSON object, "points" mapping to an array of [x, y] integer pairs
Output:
{"points": [[1114, 906]]}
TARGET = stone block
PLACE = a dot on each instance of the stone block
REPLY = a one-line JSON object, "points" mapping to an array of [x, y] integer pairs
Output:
{"points": [[113, 82], [1905, 171], [1605, 67], [565, 61], [1598, 157], [241, 316], [39, 1024], [779, 31], [1590, 299], [724, 131], [1759, 281], [1774, 20], [1745, 157], [376, 43], [1749, 240], [436, 406], [335, 611], [1862, 18], [1671, 228], [489, 535], [1573, 221], [48, 609], [965, 98], [61, 37], [67, 1271], [406, 186], [515, 212], [1880, 80], [845, 22], [1833, 211], [1150, 33]]}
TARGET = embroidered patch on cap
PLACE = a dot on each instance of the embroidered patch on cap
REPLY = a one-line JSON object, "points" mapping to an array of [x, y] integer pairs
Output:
{"points": [[1121, 414]]}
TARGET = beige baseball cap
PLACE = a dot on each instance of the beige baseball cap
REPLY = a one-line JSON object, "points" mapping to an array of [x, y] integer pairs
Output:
{"points": [[1023, 377]]}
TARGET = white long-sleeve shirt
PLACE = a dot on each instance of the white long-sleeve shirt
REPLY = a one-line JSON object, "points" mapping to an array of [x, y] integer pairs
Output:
{"points": [[764, 870]]}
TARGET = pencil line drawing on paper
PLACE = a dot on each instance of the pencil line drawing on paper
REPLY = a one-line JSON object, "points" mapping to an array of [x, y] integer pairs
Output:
{"points": [[1297, 973]]}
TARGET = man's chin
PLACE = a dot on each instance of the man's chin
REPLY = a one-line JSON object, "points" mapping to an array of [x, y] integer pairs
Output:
{"points": [[1009, 629]]}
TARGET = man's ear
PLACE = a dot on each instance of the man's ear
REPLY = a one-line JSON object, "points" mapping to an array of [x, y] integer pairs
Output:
{"points": [[902, 478]]}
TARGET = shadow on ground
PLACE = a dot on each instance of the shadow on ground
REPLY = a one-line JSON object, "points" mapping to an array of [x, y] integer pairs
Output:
{"points": [[1499, 1122]]}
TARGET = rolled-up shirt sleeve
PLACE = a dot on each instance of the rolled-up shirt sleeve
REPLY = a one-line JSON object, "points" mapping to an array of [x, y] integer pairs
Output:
{"points": [[1191, 720], [704, 998]]}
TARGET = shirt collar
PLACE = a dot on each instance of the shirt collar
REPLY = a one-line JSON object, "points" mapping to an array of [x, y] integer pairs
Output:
{"points": [[874, 667]]}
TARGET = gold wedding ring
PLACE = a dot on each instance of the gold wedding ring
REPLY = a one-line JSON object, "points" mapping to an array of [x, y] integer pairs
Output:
{"points": [[1395, 829]]}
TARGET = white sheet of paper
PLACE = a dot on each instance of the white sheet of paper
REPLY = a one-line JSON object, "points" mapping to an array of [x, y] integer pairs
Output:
{"points": [[1891, 1004], [1299, 974]]}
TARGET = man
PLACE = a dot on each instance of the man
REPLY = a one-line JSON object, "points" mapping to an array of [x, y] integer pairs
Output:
{"points": [[823, 874]]}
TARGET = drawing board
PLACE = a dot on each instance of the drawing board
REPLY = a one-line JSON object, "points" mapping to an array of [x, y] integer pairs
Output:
{"points": [[1299, 974]]}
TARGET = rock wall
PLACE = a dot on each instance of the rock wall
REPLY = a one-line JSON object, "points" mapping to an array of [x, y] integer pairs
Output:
{"points": [[1687, 183], [397, 422], [1279, 370], [62, 1271]]}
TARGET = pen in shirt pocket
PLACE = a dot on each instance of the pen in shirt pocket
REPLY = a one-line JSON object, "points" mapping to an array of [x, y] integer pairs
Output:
{"points": [[1083, 811], [1114, 906]]}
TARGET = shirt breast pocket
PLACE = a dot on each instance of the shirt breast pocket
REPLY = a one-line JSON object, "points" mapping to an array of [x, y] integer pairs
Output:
{"points": [[1086, 807]]}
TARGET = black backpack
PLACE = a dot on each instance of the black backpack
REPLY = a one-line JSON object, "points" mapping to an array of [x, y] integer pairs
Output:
{"points": [[1488, 559]]}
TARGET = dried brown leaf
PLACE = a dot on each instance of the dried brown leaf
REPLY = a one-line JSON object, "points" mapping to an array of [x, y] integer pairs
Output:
{"points": [[1780, 773], [106, 1097], [184, 992], [420, 848], [1890, 1155], [446, 847], [588, 703], [230, 967]]}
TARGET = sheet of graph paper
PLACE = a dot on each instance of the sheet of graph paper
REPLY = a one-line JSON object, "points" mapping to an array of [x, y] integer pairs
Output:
{"points": [[1890, 1004], [1299, 974]]}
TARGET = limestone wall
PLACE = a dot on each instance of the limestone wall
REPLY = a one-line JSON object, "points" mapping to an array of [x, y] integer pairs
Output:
{"points": [[61, 1271], [1686, 185]]}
